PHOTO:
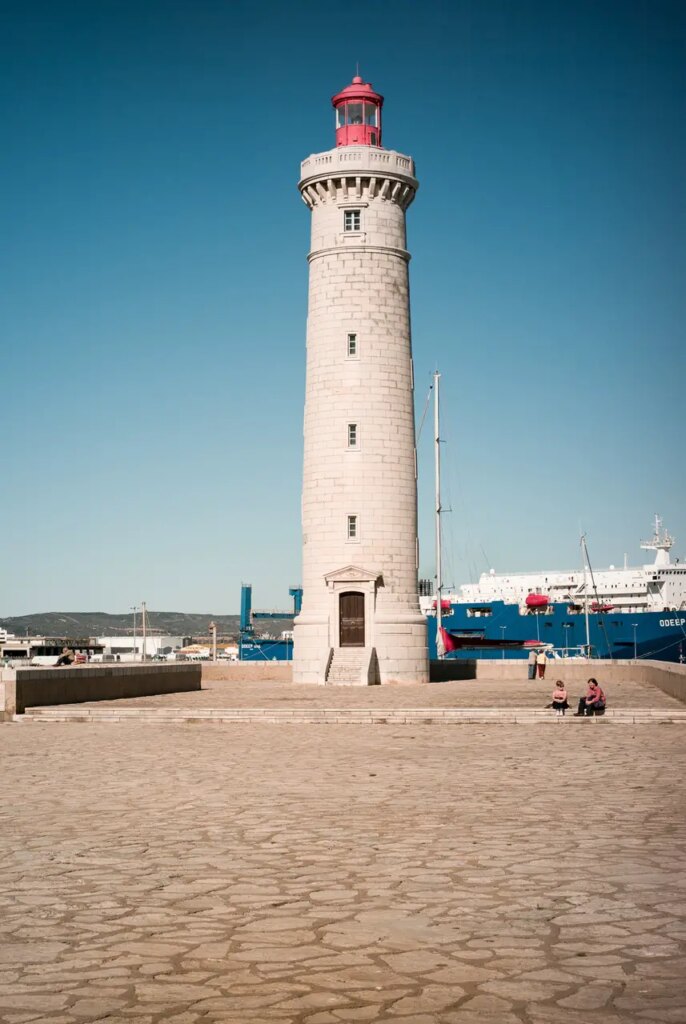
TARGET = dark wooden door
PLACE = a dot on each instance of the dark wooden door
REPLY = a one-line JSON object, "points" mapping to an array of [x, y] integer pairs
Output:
{"points": [[351, 612]]}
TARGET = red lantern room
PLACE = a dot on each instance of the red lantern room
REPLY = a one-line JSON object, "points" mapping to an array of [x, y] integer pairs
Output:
{"points": [[358, 115]]}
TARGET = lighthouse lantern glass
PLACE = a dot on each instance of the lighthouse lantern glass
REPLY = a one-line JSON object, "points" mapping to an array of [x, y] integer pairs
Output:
{"points": [[354, 113], [357, 113]]}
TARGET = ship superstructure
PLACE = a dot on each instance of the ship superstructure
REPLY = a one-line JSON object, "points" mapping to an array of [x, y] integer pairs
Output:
{"points": [[658, 587]]}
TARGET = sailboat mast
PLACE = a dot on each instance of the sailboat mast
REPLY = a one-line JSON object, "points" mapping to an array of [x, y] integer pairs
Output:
{"points": [[584, 555], [144, 619], [437, 465]]}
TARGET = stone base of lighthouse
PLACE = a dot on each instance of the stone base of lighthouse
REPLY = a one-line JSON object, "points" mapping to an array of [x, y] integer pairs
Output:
{"points": [[356, 634]]}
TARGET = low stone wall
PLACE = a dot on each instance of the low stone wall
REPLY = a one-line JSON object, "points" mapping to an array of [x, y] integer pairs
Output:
{"points": [[667, 676], [248, 671], [31, 687], [453, 669]]}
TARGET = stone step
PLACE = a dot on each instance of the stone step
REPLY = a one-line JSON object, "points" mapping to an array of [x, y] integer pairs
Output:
{"points": [[352, 716], [346, 668]]}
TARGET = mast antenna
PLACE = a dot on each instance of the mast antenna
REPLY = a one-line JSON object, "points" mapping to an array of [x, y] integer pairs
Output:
{"points": [[440, 647]]}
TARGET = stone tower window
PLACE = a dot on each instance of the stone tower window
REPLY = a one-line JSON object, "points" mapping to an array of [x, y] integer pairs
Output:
{"points": [[352, 527], [351, 220], [352, 346], [352, 435]]}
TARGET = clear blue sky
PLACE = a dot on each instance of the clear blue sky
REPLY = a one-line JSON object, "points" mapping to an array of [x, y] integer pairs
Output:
{"points": [[154, 282]]}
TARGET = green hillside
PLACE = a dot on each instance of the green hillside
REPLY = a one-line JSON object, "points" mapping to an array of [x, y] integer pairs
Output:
{"points": [[84, 624]]}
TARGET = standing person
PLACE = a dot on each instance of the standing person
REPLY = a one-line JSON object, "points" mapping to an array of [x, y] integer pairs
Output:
{"points": [[541, 662], [560, 702], [593, 703], [532, 664]]}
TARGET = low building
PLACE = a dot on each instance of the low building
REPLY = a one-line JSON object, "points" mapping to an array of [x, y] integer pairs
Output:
{"points": [[45, 650], [130, 648]]}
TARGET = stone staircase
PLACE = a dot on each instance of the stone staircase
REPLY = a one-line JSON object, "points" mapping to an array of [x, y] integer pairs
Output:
{"points": [[346, 716], [346, 666]]}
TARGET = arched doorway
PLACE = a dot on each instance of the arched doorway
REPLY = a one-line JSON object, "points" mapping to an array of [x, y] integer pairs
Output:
{"points": [[351, 619]]}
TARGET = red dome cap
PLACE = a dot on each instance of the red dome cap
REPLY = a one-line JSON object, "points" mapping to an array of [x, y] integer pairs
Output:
{"points": [[357, 90]]}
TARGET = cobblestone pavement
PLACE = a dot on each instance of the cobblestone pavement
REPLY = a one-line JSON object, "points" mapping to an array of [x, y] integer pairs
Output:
{"points": [[465, 693], [246, 874]]}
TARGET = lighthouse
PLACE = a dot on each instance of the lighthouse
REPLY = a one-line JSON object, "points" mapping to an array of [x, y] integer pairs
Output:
{"points": [[360, 621]]}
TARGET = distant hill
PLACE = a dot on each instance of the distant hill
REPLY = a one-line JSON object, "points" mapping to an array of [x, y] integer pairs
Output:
{"points": [[84, 624]]}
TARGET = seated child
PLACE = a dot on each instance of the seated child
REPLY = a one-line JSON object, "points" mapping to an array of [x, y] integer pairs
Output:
{"points": [[560, 703]]}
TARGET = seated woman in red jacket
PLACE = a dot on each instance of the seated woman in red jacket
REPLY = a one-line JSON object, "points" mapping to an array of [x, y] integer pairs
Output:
{"points": [[594, 701]]}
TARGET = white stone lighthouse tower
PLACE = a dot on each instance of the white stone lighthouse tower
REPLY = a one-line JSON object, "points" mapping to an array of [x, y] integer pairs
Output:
{"points": [[360, 621]]}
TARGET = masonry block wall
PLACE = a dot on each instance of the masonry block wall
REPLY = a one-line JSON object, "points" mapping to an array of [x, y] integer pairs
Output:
{"points": [[359, 436], [37, 686]]}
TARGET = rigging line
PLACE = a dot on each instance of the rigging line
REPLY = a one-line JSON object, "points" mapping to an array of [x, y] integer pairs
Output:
{"points": [[451, 486], [426, 407], [261, 652], [659, 650], [447, 529], [601, 619]]}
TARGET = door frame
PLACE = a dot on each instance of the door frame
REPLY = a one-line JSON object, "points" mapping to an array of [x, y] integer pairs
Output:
{"points": [[353, 578]]}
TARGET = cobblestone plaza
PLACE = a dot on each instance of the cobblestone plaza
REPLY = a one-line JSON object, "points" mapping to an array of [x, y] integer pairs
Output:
{"points": [[495, 874]]}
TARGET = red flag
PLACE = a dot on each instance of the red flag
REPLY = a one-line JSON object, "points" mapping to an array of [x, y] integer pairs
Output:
{"points": [[448, 641]]}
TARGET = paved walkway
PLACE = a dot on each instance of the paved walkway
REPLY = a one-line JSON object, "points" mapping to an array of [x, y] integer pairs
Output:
{"points": [[245, 875]]}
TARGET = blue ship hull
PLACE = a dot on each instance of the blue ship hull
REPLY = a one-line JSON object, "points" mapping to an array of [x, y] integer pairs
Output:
{"points": [[254, 649], [505, 632]]}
